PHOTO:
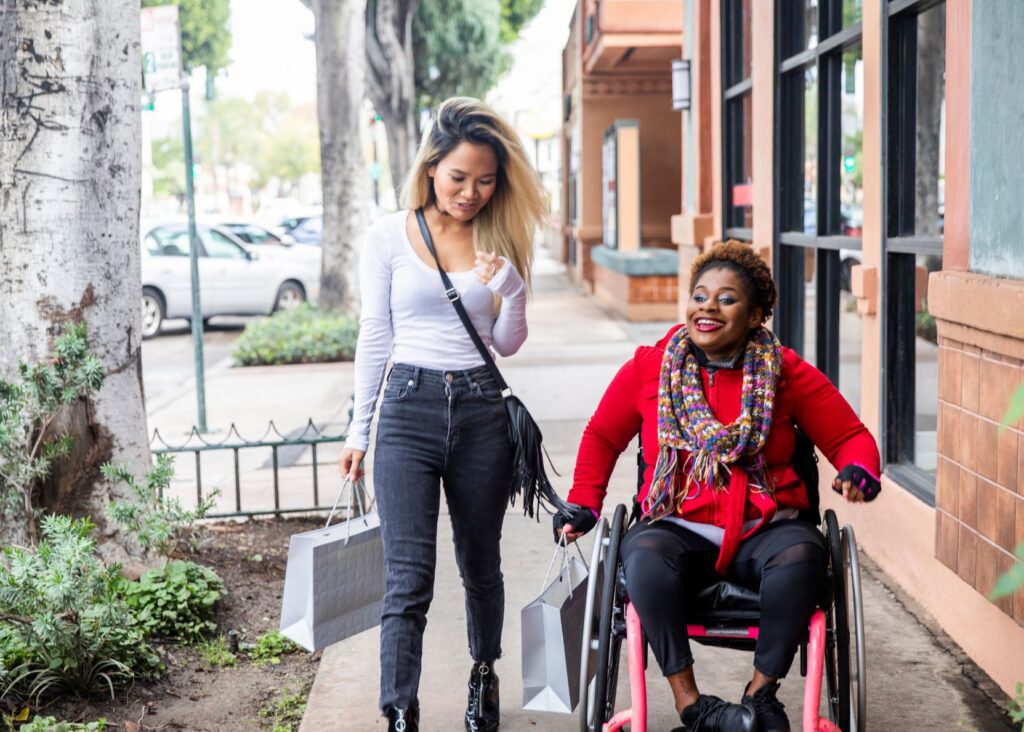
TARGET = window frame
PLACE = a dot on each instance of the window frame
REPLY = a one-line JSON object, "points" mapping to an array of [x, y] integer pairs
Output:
{"points": [[791, 245], [733, 120], [900, 248]]}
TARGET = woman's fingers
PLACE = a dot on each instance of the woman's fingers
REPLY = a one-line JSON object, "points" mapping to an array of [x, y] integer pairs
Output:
{"points": [[487, 265], [350, 464]]}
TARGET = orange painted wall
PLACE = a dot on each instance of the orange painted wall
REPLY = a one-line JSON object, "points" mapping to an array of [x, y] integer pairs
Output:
{"points": [[660, 155]]}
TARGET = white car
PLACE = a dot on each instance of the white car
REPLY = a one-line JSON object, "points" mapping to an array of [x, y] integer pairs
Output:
{"points": [[233, 280]]}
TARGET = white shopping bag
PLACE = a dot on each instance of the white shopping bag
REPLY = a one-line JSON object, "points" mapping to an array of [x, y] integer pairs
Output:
{"points": [[552, 633], [334, 580]]}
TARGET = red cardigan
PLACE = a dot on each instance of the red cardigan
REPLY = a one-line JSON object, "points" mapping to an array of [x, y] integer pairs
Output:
{"points": [[804, 397]]}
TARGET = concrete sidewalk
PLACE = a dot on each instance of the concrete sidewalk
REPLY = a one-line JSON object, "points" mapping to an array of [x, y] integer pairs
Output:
{"points": [[917, 679]]}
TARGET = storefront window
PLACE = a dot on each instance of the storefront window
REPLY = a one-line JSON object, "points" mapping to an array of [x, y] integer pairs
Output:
{"points": [[916, 186], [821, 184], [738, 203]]}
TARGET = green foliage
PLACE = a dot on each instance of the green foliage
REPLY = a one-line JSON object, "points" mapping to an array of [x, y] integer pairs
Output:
{"points": [[1015, 409], [28, 408], [205, 32], [285, 713], [49, 724], [269, 134], [459, 45], [158, 522], [176, 600], [168, 167], [1011, 580], [925, 325], [457, 49], [300, 335], [1017, 706], [270, 647], [514, 15], [67, 627], [215, 652]]}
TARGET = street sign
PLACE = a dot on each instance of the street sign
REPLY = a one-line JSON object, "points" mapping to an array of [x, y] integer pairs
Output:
{"points": [[161, 48]]}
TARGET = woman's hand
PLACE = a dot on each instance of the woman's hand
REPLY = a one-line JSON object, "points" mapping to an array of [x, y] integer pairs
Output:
{"points": [[856, 484], [487, 266], [573, 527], [351, 463]]}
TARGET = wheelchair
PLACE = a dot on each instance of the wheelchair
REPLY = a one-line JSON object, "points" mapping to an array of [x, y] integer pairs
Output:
{"points": [[726, 615]]}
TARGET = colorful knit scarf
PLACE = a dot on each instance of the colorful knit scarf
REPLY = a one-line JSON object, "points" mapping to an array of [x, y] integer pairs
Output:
{"points": [[686, 422]]}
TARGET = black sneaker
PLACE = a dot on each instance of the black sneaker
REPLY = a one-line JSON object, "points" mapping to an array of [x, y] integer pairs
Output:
{"points": [[711, 714], [771, 713], [483, 710], [403, 720]]}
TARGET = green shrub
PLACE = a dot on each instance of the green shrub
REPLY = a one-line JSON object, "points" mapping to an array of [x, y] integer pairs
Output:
{"points": [[216, 654], [28, 408], [299, 335], [158, 522], [176, 600], [49, 724], [270, 647], [68, 628]]}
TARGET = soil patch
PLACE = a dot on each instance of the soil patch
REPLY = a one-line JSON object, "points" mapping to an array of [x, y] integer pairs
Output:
{"points": [[250, 557]]}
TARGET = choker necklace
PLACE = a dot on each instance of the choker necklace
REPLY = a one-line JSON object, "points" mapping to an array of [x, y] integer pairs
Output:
{"points": [[440, 211]]}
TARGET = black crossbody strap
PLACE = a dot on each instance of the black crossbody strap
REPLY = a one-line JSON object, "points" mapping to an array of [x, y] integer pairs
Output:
{"points": [[453, 297]]}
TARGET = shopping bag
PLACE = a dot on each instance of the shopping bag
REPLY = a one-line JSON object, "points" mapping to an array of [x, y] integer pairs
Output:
{"points": [[552, 634], [334, 579]]}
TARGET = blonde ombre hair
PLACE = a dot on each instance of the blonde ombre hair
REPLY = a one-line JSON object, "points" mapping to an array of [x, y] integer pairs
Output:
{"points": [[509, 221]]}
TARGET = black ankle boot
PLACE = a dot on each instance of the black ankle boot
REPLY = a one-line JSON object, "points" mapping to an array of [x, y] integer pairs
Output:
{"points": [[711, 714], [403, 720], [483, 712], [771, 713]]}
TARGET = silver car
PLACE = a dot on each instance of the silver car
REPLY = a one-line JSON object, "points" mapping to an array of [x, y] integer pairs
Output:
{"points": [[233, 280]]}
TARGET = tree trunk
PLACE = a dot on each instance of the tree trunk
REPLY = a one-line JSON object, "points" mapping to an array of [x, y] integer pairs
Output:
{"points": [[341, 85], [70, 176], [391, 85]]}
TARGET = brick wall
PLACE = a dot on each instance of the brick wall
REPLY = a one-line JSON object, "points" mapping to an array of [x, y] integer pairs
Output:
{"points": [[980, 478], [637, 297]]}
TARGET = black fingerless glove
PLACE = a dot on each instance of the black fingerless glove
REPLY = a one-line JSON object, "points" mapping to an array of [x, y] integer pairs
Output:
{"points": [[861, 479], [582, 520]]}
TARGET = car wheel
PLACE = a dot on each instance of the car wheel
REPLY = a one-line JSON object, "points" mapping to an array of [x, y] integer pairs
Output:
{"points": [[153, 312], [290, 295]]}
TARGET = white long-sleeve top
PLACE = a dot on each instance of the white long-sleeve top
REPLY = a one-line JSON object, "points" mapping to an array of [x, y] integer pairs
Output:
{"points": [[407, 318]]}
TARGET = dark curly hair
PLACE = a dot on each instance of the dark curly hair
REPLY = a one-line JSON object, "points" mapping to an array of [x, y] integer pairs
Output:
{"points": [[751, 269]]}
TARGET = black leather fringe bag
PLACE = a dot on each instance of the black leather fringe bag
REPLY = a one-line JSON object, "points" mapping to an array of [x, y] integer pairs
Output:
{"points": [[529, 476]]}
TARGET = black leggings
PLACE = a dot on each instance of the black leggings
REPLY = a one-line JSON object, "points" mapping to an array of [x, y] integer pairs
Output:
{"points": [[666, 565]]}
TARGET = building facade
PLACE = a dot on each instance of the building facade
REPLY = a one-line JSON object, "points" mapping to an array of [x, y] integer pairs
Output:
{"points": [[868, 149]]}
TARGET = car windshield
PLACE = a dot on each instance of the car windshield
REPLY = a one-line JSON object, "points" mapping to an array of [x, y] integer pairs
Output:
{"points": [[168, 242]]}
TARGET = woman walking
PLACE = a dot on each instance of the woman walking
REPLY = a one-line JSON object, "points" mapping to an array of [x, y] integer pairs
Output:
{"points": [[717, 403], [442, 418]]}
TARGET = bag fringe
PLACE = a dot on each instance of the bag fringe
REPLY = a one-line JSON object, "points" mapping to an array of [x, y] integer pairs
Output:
{"points": [[529, 478]]}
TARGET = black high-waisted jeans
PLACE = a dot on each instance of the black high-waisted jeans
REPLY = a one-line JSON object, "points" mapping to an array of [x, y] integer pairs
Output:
{"points": [[666, 565], [450, 428]]}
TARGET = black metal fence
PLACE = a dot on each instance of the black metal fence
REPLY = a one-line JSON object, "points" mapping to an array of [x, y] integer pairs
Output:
{"points": [[282, 448]]}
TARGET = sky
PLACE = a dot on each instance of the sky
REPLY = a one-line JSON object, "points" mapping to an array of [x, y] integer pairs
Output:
{"points": [[271, 50]]}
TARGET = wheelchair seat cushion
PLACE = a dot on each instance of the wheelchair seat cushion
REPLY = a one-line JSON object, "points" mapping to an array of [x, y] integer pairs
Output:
{"points": [[724, 602]]}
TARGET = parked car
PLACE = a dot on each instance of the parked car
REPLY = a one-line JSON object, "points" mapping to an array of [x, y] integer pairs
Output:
{"points": [[304, 229], [233, 280], [254, 234]]}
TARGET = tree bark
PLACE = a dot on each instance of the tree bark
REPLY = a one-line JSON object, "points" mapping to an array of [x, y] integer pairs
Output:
{"points": [[70, 177], [391, 85], [341, 85]]}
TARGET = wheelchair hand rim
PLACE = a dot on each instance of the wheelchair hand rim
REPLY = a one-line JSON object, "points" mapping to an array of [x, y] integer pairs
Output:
{"points": [[596, 558]]}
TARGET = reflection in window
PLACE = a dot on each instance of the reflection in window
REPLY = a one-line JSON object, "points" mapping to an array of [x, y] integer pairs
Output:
{"points": [[851, 165], [810, 222], [853, 12], [810, 278]]}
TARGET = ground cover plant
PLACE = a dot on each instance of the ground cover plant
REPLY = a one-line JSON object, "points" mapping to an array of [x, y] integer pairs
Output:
{"points": [[299, 335]]}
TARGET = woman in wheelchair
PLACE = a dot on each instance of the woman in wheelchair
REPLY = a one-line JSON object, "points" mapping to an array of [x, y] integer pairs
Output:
{"points": [[718, 401]]}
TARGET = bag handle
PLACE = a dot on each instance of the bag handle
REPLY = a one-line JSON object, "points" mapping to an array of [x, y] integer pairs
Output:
{"points": [[353, 486], [563, 550], [456, 301]]}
